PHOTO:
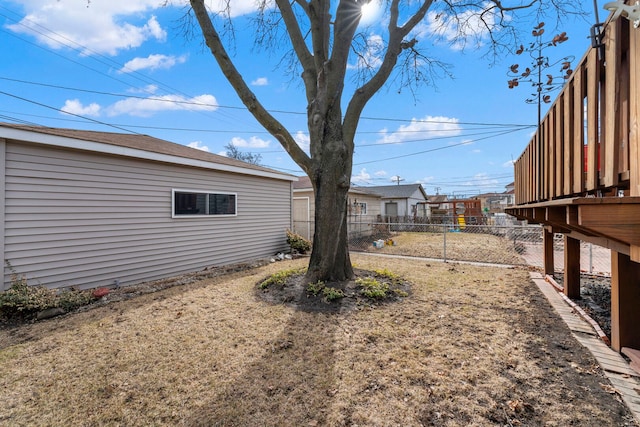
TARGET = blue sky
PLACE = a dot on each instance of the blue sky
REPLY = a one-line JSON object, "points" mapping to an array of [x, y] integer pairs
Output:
{"points": [[123, 65]]}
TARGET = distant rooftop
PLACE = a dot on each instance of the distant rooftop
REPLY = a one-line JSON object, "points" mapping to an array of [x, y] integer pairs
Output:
{"points": [[398, 191]]}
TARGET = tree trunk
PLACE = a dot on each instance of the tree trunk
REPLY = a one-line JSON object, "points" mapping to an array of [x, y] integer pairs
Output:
{"points": [[331, 179], [330, 255]]}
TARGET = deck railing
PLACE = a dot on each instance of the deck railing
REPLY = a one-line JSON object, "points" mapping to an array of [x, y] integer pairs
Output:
{"points": [[588, 143]]}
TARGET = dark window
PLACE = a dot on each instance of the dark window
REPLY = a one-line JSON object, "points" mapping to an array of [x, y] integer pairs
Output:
{"points": [[196, 203]]}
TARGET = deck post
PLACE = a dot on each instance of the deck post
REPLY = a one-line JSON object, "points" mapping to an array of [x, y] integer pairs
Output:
{"points": [[625, 300], [571, 267], [547, 242]]}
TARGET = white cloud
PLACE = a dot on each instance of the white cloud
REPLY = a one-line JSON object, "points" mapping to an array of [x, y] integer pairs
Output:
{"points": [[425, 128], [372, 55], [508, 164], [303, 140], [466, 27], [253, 142], [380, 173], [198, 146], [482, 180], [145, 107], [361, 178], [148, 89], [236, 7], [153, 62], [74, 106], [103, 27], [260, 81]]}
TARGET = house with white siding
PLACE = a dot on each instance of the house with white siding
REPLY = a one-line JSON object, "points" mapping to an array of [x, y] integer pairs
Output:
{"points": [[89, 209], [406, 200]]}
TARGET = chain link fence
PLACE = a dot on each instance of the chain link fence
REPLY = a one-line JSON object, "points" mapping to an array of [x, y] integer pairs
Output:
{"points": [[510, 244]]}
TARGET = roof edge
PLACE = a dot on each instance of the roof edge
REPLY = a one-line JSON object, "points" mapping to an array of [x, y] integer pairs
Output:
{"points": [[8, 132]]}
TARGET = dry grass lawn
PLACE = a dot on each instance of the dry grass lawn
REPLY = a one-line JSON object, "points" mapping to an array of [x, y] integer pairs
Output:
{"points": [[459, 246], [472, 346]]}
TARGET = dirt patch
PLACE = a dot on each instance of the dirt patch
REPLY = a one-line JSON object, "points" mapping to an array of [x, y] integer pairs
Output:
{"points": [[470, 346], [298, 293], [595, 298]]}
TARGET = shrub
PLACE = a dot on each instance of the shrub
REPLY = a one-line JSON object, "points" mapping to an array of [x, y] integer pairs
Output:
{"points": [[71, 299], [298, 243], [22, 301]]}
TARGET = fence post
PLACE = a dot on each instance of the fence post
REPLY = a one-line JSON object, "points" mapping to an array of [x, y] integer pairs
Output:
{"points": [[444, 249]]}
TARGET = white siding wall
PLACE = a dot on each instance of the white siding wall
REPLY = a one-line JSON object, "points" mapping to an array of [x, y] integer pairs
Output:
{"points": [[75, 218]]}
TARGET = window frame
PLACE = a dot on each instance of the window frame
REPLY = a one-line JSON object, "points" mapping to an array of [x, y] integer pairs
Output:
{"points": [[360, 205], [174, 191]]}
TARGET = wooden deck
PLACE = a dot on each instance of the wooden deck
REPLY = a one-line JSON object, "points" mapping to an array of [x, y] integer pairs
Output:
{"points": [[580, 174]]}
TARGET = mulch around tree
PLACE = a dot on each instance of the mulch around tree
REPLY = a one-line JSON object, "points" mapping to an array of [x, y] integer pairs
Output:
{"points": [[295, 293]]}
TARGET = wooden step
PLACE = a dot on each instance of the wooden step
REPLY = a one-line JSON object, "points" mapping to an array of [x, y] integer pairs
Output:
{"points": [[634, 356]]}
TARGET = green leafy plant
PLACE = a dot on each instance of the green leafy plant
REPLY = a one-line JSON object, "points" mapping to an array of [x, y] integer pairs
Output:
{"points": [[387, 274], [280, 278], [315, 288], [373, 288], [298, 243], [332, 294]]}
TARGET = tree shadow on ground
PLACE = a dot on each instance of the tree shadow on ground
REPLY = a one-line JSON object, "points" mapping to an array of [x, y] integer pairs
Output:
{"points": [[291, 384]]}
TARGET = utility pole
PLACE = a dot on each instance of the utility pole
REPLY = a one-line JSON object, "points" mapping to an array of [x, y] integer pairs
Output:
{"points": [[397, 179]]}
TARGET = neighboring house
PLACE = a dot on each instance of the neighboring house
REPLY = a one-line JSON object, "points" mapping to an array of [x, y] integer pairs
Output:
{"points": [[89, 209], [439, 207], [492, 203], [363, 209], [407, 200]]}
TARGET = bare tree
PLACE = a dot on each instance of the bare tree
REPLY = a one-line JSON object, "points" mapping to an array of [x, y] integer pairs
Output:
{"points": [[324, 37], [235, 153]]}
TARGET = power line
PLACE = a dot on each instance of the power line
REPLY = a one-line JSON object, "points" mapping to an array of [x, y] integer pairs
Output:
{"points": [[243, 108], [433, 149], [147, 79], [104, 61], [435, 138], [239, 131], [76, 115]]}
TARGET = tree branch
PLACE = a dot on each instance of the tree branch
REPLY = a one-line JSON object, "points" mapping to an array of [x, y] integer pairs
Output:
{"points": [[348, 17], [248, 98], [499, 5], [320, 30], [299, 45], [396, 44]]}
